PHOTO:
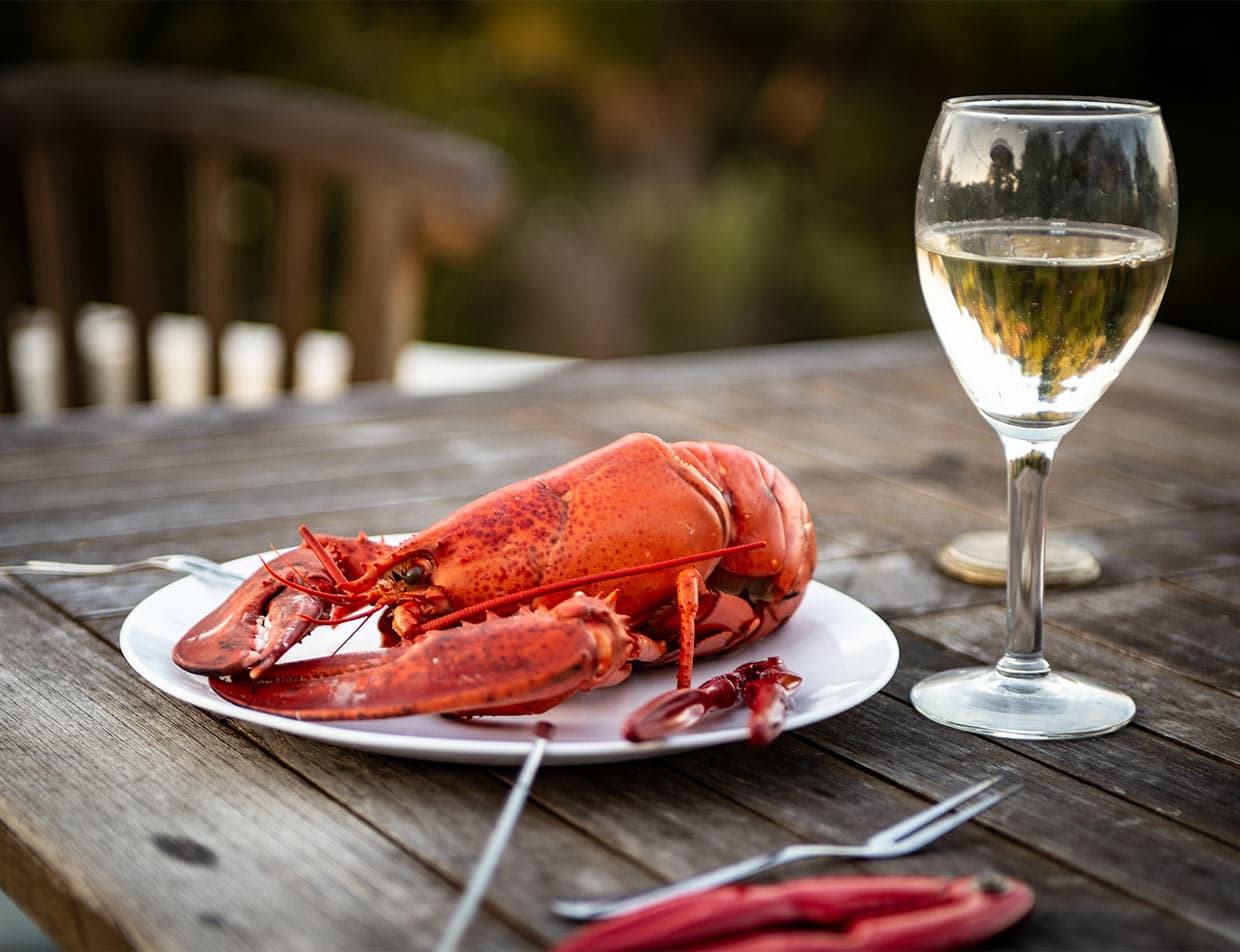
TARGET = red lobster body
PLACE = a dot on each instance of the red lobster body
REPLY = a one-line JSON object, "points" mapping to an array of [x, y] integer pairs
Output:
{"points": [[635, 502]]}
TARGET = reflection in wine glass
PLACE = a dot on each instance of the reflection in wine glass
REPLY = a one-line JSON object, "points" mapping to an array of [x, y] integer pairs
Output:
{"points": [[1045, 229]]}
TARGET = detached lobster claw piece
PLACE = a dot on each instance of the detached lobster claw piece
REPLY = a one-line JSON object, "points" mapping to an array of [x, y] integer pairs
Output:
{"points": [[854, 912], [765, 687]]}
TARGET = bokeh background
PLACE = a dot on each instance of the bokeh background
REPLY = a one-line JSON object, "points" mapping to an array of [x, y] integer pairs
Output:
{"points": [[700, 175]]}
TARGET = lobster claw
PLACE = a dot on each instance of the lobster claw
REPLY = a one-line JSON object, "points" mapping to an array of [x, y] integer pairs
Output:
{"points": [[766, 687], [855, 912], [266, 615], [256, 624], [519, 664]]}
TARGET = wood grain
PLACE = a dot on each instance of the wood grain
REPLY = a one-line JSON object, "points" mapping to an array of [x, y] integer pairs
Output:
{"points": [[127, 818]]}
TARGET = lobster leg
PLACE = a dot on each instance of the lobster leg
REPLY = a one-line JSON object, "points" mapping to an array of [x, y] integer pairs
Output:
{"points": [[689, 585], [769, 698], [523, 663], [705, 622]]}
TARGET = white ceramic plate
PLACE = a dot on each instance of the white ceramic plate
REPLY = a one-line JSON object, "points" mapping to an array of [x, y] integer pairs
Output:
{"points": [[844, 651]]}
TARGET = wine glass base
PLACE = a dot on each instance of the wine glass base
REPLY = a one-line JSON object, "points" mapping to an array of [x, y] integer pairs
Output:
{"points": [[980, 558], [1053, 706]]}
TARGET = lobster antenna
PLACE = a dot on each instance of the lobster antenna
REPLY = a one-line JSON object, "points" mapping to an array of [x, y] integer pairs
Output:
{"points": [[315, 546], [361, 618], [328, 563], [503, 601], [298, 586]]}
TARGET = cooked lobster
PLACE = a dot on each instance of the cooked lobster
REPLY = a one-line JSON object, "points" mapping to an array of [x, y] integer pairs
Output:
{"points": [[639, 552]]}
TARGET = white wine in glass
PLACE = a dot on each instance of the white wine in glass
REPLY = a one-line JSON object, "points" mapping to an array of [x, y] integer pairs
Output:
{"points": [[1045, 228]]}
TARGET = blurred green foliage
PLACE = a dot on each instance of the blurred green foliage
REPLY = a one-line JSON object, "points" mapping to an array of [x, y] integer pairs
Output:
{"points": [[696, 175]]}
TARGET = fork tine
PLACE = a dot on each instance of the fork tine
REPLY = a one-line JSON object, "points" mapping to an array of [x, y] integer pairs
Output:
{"points": [[933, 812], [898, 840], [927, 834]]}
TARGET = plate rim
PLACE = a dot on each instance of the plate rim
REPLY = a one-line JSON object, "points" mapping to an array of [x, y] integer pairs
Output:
{"points": [[504, 752]]}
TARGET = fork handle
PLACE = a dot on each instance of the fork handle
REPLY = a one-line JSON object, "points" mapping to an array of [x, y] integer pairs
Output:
{"points": [[203, 569], [588, 910], [183, 564], [41, 567]]}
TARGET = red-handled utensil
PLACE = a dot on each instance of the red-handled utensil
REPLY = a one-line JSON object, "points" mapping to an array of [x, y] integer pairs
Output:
{"points": [[845, 912]]}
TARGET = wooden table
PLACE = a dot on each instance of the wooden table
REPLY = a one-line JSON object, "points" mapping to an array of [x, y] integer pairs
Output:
{"points": [[130, 819]]}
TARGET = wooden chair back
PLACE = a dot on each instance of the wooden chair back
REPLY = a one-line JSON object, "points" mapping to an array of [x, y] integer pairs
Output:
{"points": [[411, 192]]}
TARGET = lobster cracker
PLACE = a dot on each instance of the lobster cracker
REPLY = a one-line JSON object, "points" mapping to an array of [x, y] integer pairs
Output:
{"points": [[843, 912], [641, 552]]}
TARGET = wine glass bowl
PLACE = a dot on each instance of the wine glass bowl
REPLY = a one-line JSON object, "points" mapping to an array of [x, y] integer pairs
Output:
{"points": [[1045, 229]]}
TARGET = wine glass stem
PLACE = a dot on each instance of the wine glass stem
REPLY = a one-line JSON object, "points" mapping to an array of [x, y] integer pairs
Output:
{"points": [[1029, 467]]}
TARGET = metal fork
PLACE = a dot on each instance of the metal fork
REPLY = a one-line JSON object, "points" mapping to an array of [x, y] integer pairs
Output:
{"points": [[194, 565], [904, 837]]}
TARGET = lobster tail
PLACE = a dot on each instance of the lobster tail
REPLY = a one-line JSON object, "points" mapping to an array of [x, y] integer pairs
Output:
{"points": [[764, 504]]}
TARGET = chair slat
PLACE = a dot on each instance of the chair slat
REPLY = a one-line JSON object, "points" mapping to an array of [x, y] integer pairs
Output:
{"points": [[211, 273], [380, 313], [416, 192], [13, 272], [8, 398], [54, 263], [298, 256], [135, 260]]}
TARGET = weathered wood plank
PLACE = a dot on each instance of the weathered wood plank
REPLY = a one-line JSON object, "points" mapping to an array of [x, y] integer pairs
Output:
{"points": [[443, 814], [671, 373], [824, 797], [186, 505], [1159, 774], [54, 495], [905, 582], [965, 488], [1057, 814], [1095, 829], [1223, 584], [1168, 703], [153, 799], [425, 439], [1146, 448], [1170, 363], [1150, 619], [667, 818]]}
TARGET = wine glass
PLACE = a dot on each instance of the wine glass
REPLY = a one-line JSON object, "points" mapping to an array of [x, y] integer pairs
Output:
{"points": [[1045, 228]]}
